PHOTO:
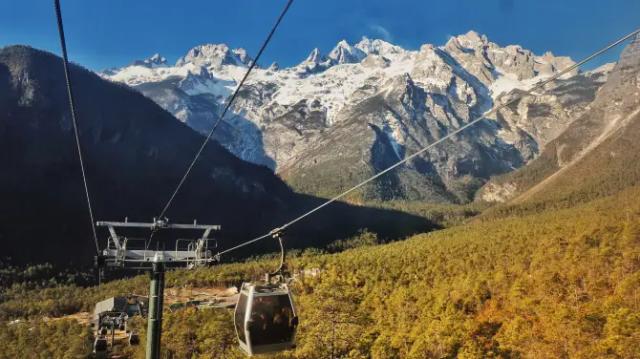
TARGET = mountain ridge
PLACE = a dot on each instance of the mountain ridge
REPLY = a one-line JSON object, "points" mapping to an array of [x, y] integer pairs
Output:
{"points": [[283, 115]]}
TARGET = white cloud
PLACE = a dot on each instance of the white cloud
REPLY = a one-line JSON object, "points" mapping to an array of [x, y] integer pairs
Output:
{"points": [[381, 31]]}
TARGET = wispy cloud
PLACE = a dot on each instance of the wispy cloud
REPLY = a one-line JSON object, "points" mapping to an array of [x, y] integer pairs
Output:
{"points": [[381, 32]]}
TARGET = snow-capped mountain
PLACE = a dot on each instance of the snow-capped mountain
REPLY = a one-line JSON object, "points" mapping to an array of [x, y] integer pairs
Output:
{"points": [[332, 119]]}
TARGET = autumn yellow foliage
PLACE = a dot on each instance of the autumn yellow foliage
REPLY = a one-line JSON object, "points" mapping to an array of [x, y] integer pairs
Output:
{"points": [[563, 283]]}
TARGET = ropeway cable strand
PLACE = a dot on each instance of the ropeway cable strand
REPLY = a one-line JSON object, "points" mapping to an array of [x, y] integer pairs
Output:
{"points": [[224, 112], [74, 121], [431, 145]]}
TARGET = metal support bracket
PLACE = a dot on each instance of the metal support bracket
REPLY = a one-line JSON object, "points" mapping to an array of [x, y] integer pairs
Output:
{"points": [[122, 251]]}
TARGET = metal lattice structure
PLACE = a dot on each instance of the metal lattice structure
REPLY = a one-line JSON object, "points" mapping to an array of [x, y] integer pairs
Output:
{"points": [[122, 251]]}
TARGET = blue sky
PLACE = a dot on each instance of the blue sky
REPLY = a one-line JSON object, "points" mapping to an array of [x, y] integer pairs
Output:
{"points": [[109, 33]]}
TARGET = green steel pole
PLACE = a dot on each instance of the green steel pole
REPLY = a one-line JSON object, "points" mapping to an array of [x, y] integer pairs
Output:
{"points": [[154, 321]]}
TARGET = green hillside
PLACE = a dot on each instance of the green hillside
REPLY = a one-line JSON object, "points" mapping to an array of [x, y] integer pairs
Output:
{"points": [[563, 283]]}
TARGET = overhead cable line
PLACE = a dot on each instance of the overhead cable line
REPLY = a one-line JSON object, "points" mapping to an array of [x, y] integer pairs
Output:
{"points": [[431, 145], [74, 121], [226, 108]]}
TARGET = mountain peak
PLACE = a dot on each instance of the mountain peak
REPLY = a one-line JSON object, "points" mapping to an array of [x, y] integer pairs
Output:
{"points": [[242, 55], [315, 57], [470, 40], [154, 60], [378, 47], [215, 55], [630, 56], [474, 36], [344, 53], [315, 62], [343, 44]]}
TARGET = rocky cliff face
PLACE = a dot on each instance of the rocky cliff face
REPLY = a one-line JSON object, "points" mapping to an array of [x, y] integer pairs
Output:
{"points": [[598, 149], [333, 119]]}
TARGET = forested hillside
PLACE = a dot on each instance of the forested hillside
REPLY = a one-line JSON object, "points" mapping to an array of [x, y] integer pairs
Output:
{"points": [[563, 283]]}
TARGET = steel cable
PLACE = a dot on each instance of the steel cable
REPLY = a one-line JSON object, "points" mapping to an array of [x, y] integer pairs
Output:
{"points": [[74, 121], [226, 108]]}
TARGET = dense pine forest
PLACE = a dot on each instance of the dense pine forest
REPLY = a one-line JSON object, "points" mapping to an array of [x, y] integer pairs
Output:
{"points": [[557, 283]]}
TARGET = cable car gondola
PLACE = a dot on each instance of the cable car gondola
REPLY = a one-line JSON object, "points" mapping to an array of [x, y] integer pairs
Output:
{"points": [[265, 317]]}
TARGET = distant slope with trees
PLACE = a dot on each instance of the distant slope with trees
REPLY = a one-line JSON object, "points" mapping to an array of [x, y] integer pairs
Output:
{"points": [[563, 283]]}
